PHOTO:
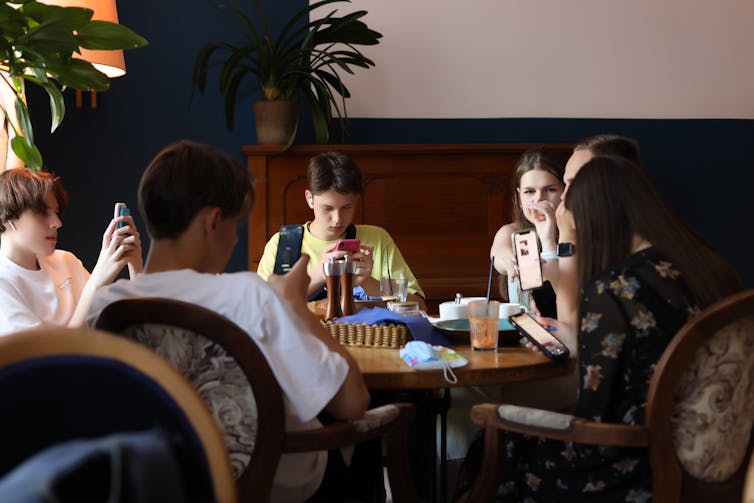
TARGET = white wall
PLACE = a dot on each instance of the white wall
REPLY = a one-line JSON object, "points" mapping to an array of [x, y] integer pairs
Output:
{"points": [[557, 58]]}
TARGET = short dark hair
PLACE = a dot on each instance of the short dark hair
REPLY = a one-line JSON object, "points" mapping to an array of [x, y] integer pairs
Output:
{"points": [[22, 189], [184, 178], [334, 171], [542, 158], [611, 144]]}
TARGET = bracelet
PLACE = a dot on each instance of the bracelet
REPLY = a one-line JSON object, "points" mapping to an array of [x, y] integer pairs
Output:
{"points": [[549, 255]]}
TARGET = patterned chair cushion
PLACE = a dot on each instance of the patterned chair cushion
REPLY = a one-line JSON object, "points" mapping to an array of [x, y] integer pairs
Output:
{"points": [[218, 379], [714, 406]]}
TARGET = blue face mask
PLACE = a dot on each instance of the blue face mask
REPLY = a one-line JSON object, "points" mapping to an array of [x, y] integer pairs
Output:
{"points": [[422, 356]]}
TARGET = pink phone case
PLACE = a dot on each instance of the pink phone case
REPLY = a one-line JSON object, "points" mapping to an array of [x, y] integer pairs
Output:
{"points": [[348, 245]]}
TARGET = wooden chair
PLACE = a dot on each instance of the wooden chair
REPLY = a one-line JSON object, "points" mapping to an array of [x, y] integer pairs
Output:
{"points": [[61, 384], [172, 326], [700, 409], [749, 484]]}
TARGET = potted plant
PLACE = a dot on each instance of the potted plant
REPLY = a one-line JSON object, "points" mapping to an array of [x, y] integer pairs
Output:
{"points": [[37, 44], [300, 63]]}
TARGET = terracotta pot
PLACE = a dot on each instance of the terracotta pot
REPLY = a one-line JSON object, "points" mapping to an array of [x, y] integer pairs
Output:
{"points": [[275, 121]]}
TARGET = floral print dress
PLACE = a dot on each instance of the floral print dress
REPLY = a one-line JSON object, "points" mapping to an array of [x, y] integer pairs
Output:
{"points": [[629, 314]]}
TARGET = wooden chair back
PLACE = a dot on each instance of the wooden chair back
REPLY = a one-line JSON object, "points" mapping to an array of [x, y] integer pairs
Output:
{"points": [[700, 406], [63, 384], [242, 393]]}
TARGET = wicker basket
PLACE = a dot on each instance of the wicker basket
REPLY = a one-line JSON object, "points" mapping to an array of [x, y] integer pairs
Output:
{"points": [[371, 336]]}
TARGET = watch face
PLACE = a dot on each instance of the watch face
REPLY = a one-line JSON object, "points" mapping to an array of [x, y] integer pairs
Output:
{"points": [[565, 249]]}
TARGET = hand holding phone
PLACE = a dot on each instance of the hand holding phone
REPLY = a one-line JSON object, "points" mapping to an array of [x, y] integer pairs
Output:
{"points": [[526, 248], [121, 210], [289, 248], [539, 336], [348, 245]]}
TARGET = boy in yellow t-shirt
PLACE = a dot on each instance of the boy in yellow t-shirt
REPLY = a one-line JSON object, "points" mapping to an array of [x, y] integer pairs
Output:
{"points": [[335, 184]]}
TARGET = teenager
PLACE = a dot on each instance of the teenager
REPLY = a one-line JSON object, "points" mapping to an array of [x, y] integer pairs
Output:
{"points": [[39, 284], [334, 187], [643, 275], [192, 198]]}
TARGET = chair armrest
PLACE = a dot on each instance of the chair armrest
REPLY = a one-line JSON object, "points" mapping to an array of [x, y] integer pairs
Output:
{"points": [[376, 422], [554, 425]]}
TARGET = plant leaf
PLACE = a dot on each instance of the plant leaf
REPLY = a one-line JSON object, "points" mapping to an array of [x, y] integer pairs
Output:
{"points": [[27, 152], [104, 35]]}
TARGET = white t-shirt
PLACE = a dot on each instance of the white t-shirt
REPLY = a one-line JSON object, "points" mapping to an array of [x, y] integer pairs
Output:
{"points": [[308, 372], [29, 299]]}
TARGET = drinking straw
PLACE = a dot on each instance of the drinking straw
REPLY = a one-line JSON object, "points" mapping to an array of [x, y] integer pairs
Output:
{"points": [[389, 280], [489, 280], [387, 264]]}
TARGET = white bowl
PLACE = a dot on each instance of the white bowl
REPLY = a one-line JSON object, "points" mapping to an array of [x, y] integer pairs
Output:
{"points": [[452, 311]]}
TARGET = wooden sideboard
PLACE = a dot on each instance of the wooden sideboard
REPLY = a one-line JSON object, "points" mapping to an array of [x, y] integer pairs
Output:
{"points": [[442, 204]]}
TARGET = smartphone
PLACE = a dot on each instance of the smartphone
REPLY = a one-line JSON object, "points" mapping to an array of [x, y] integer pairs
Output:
{"points": [[348, 245], [289, 248], [539, 335], [121, 210], [526, 248]]}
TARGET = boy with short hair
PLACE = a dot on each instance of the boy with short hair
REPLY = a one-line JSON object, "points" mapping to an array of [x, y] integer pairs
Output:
{"points": [[192, 197], [334, 186]]}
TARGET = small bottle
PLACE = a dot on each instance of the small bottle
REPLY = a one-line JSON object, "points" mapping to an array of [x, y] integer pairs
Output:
{"points": [[347, 305], [333, 271]]}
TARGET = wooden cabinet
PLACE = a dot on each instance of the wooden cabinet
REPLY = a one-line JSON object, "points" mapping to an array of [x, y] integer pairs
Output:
{"points": [[442, 204]]}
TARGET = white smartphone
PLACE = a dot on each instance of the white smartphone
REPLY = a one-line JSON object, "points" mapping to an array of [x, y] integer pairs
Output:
{"points": [[526, 248], [539, 335]]}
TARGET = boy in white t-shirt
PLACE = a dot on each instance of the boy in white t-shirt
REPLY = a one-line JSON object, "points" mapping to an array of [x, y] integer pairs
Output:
{"points": [[40, 285], [192, 198]]}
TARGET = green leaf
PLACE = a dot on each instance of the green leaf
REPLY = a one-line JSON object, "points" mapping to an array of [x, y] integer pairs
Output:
{"points": [[24, 121], [72, 18], [49, 38], [27, 152], [80, 74], [104, 35]]}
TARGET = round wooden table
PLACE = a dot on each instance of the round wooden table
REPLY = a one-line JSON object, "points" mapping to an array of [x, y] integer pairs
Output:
{"points": [[384, 369]]}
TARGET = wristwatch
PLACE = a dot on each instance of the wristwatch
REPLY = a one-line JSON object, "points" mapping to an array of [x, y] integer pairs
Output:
{"points": [[565, 249]]}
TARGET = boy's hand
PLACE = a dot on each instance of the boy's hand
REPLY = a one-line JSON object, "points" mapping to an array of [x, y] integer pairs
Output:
{"points": [[292, 286]]}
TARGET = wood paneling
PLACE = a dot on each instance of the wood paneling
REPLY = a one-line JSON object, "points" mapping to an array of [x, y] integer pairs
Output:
{"points": [[441, 203]]}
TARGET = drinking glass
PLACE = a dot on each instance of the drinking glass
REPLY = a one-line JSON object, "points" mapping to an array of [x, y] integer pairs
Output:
{"points": [[483, 324]]}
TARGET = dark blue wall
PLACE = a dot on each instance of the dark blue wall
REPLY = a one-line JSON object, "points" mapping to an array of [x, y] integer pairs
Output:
{"points": [[703, 167]]}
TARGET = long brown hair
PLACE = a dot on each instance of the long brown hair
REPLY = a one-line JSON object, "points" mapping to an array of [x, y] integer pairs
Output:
{"points": [[612, 200], [535, 158]]}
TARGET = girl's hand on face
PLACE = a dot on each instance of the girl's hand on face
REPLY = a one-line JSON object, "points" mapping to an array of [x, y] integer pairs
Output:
{"points": [[546, 224]]}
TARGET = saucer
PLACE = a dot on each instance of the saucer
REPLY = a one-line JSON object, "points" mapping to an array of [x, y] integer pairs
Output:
{"points": [[458, 331]]}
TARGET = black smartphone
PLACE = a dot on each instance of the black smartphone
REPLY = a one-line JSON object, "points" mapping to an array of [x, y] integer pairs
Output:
{"points": [[289, 248], [121, 210], [526, 248], [539, 335]]}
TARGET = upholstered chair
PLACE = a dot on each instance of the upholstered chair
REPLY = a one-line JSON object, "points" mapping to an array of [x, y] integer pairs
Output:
{"points": [[700, 409]]}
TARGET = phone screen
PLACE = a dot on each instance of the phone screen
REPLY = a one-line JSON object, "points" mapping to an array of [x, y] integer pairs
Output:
{"points": [[289, 248], [539, 335], [527, 256]]}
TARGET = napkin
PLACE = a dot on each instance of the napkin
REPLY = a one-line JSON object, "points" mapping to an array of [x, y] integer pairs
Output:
{"points": [[420, 328]]}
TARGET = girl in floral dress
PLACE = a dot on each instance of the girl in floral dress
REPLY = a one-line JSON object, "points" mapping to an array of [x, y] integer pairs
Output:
{"points": [[644, 274]]}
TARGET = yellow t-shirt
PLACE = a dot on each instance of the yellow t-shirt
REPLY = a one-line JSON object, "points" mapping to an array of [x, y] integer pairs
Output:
{"points": [[368, 234]]}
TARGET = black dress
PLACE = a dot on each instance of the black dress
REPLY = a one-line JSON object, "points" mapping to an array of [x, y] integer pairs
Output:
{"points": [[629, 314]]}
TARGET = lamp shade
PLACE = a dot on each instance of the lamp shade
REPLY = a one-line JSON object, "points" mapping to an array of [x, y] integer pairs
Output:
{"points": [[111, 63]]}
